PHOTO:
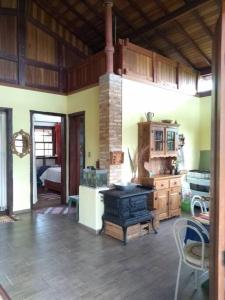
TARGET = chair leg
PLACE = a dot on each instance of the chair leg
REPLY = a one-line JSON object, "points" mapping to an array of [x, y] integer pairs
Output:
{"points": [[178, 279], [69, 207], [77, 211], [196, 279]]}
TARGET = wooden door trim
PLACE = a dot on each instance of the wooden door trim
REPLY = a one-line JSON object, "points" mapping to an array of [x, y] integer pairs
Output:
{"points": [[217, 206], [76, 114], [9, 123], [63, 163]]}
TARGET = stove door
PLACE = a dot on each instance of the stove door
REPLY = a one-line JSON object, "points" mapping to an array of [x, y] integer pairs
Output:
{"points": [[138, 203]]}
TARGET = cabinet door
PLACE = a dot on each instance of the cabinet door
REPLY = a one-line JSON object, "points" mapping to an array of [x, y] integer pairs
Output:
{"points": [[162, 203], [174, 201], [171, 143], [157, 145]]}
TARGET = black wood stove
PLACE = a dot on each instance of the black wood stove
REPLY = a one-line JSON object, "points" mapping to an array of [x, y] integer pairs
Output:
{"points": [[126, 208]]}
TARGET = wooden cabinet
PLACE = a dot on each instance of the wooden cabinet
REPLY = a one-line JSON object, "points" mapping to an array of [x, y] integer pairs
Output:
{"points": [[174, 201], [157, 147], [167, 196], [161, 138]]}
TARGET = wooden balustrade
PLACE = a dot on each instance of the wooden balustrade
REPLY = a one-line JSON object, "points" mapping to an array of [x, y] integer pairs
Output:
{"points": [[87, 72], [137, 63]]}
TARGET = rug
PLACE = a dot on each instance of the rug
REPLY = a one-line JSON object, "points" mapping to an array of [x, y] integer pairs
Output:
{"points": [[49, 196], [59, 210], [3, 294], [47, 200], [6, 219]]}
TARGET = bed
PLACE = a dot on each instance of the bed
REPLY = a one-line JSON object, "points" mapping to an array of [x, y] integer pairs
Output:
{"points": [[51, 179]]}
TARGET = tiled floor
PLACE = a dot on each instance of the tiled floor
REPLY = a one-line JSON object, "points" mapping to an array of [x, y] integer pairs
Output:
{"points": [[51, 257]]}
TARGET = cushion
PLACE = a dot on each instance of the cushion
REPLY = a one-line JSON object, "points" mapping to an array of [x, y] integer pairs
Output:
{"points": [[193, 252]]}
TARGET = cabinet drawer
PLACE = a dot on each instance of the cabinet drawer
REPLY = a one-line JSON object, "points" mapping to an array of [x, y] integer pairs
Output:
{"points": [[175, 182], [161, 184], [176, 189]]}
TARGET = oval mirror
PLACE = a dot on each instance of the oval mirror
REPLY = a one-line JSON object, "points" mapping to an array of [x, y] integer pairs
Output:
{"points": [[21, 143]]}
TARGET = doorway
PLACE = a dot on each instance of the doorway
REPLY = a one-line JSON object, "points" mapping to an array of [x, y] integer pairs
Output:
{"points": [[48, 160], [6, 177], [76, 150]]}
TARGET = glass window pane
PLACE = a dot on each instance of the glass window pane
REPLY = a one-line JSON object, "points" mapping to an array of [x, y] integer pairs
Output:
{"points": [[47, 132], [39, 152], [47, 138], [38, 135], [48, 145], [48, 152], [39, 145]]}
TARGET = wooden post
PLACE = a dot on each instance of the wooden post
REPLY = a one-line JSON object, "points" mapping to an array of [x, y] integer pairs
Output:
{"points": [[21, 40], [217, 206], [109, 49]]}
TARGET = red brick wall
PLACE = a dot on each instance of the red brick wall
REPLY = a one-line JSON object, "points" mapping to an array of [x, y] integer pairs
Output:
{"points": [[110, 122]]}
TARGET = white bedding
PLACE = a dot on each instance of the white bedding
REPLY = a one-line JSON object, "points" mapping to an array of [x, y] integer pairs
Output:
{"points": [[52, 174]]}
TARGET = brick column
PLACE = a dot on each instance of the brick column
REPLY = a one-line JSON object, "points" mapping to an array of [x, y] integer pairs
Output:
{"points": [[110, 122]]}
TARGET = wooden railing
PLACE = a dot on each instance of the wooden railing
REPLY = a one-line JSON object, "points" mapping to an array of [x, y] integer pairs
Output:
{"points": [[136, 63], [87, 72]]}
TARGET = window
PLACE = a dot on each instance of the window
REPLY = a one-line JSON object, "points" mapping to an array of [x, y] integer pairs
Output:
{"points": [[205, 83], [44, 141]]}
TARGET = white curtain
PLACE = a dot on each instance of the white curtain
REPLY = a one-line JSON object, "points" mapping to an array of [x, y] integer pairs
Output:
{"points": [[3, 163], [35, 199]]}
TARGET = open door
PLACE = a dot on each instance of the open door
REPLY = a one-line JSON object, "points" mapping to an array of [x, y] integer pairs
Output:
{"points": [[6, 176], [217, 208], [76, 151]]}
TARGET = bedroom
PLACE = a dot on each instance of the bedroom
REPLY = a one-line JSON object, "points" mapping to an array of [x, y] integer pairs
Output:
{"points": [[47, 161]]}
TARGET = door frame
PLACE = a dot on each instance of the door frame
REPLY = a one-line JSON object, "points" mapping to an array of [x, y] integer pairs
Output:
{"points": [[63, 164], [217, 206], [9, 159], [75, 114]]}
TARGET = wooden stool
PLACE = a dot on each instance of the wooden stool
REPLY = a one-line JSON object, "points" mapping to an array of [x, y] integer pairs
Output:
{"points": [[74, 199]]}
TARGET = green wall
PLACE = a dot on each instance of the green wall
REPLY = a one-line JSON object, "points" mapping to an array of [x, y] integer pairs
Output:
{"points": [[205, 123], [192, 113], [87, 100], [139, 98], [22, 101]]}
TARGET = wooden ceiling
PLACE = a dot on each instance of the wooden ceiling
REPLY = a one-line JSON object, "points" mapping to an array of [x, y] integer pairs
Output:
{"points": [[179, 29]]}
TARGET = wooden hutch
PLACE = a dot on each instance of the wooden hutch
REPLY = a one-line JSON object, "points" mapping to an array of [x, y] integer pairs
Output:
{"points": [[157, 147]]}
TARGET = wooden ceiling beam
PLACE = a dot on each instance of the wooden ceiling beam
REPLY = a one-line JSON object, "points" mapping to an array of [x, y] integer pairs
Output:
{"points": [[8, 11], [93, 10], [205, 71], [159, 32], [201, 22], [83, 19], [72, 31], [116, 13], [171, 16], [184, 32], [119, 15]]}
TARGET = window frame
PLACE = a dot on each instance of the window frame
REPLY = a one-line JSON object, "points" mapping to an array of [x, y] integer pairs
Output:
{"points": [[53, 142]]}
